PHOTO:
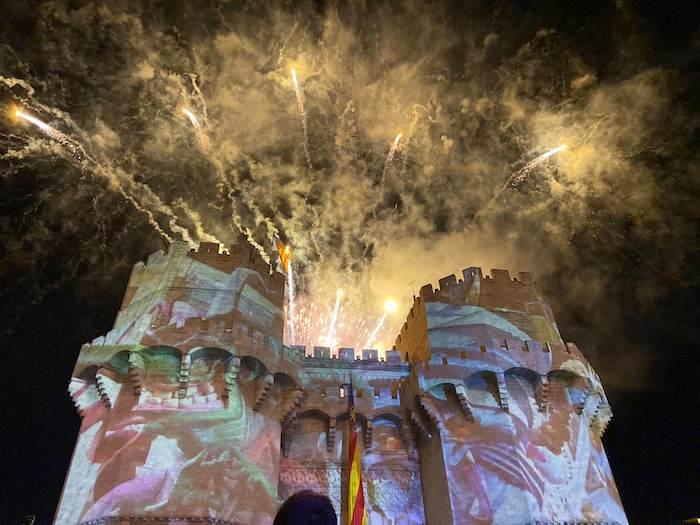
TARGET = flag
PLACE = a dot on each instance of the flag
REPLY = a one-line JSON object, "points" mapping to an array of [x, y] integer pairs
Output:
{"points": [[356, 496]]}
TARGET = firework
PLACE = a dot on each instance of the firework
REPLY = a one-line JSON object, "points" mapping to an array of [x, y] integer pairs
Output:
{"points": [[202, 138], [124, 184], [521, 176], [390, 306], [390, 156], [330, 336], [192, 117], [224, 185], [76, 150], [302, 112], [352, 326], [291, 314]]}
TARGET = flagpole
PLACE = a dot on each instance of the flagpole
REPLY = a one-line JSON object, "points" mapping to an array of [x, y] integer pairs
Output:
{"points": [[356, 496]]}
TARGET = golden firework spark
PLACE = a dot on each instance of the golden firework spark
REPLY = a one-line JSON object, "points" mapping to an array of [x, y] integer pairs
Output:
{"points": [[302, 112], [76, 150], [390, 156]]}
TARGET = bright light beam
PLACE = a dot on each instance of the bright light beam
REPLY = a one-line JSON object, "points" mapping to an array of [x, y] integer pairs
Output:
{"points": [[390, 156], [390, 306], [191, 116], [290, 305], [75, 150], [330, 335], [202, 138], [302, 112]]}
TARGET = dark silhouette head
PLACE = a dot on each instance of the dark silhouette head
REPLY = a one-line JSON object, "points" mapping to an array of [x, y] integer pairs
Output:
{"points": [[306, 508]]}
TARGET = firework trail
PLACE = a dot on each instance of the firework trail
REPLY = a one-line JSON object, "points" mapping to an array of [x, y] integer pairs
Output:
{"points": [[390, 156], [330, 336], [198, 93], [223, 184], [312, 321], [519, 177], [291, 315], [202, 138], [76, 150], [117, 179], [390, 306], [304, 124]]}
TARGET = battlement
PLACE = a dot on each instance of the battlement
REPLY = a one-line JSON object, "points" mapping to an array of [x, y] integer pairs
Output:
{"points": [[240, 254], [345, 357], [448, 285]]}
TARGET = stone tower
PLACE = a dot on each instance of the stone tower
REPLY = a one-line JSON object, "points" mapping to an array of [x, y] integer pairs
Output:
{"points": [[510, 416], [193, 411]]}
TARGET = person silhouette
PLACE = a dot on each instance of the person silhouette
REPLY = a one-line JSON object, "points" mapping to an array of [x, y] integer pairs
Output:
{"points": [[306, 508]]}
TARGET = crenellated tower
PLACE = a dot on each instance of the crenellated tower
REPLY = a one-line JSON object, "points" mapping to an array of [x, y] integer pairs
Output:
{"points": [[194, 411], [509, 415], [182, 401]]}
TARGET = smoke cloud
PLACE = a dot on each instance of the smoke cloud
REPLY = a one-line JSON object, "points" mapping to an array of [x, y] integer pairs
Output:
{"points": [[476, 90]]}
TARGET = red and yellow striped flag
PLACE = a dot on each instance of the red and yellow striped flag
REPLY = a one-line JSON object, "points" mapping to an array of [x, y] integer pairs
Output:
{"points": [[356, 496]]}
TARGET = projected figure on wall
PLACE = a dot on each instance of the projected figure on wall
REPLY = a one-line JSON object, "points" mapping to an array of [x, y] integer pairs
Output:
{"points": [[192, 407]]}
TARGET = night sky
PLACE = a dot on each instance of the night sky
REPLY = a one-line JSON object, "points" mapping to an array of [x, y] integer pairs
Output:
{"points": [[609, 226]]}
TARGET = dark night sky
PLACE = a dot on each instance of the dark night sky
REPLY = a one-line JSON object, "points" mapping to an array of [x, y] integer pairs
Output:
{"points": [[610, 231]]}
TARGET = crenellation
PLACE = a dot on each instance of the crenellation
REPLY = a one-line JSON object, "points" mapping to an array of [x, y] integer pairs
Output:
{"points": [[446, 283], [501, 275], [322, 352], [369, 354], [155, 258]]}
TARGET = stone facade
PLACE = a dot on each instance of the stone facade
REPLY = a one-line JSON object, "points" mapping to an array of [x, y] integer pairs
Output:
{"points": [[195, 412]]}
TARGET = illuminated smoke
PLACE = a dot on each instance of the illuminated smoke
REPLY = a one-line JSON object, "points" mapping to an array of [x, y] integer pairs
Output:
{"points": [[330, 336], [304, 124], [224, 185], [390, 156], [196, 219], [122, 182], [75, 150]]}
